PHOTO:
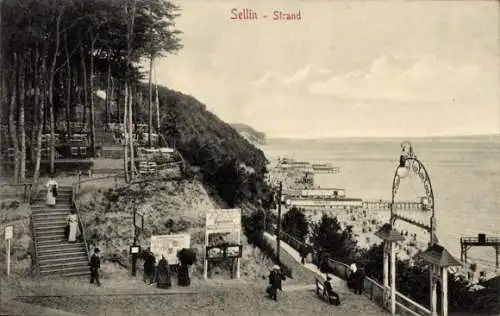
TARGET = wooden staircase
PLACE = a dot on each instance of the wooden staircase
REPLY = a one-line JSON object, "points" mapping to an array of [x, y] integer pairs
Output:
{"points": [[55, 255]]}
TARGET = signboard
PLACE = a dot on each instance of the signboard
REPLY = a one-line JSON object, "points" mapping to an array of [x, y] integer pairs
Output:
{"points": [[222, 221], [135, 249], [234, 251], [215, 253], [9, 232], [169, 245], [219, 252]]}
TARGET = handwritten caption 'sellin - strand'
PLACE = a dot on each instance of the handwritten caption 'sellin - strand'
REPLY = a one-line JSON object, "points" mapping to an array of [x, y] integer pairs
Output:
{"points": [[249, 14]]}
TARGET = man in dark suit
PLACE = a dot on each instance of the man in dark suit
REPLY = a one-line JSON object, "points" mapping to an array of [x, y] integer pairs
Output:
{"points": [[95, 265]]}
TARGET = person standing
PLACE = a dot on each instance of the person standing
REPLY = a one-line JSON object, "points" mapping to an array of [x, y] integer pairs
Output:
{"points": [[95, 265], [275, 278], [72, 226], [52, 186], [163, 278], [149, 266], [360, 280]]}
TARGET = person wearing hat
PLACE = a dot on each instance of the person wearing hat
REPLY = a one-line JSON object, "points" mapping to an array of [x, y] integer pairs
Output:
{"points": [[332, 295], [95, 265], [275, 278]]}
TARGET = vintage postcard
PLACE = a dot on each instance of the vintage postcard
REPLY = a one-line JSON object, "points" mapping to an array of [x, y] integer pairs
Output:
{"points": [[281, 157]]}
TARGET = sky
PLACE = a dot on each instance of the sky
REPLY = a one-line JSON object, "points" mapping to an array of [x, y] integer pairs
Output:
{"points": [[345, 69]]}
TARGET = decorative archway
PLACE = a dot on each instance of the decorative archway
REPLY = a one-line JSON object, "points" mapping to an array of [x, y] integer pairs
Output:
{"points": [[438, 257], [408, 162]]}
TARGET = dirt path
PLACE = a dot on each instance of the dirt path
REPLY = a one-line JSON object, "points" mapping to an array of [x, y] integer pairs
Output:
{"points": [[122, 294]]}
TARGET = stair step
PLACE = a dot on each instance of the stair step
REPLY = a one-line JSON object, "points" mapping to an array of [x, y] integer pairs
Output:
{"points": [[77, 273], [68, 260], [56, 255], [54, 241], [48, 224], [38, 215], [44, 206], [63, 265], [41, 234], [51, 236], [73, 271], [60, 247]]}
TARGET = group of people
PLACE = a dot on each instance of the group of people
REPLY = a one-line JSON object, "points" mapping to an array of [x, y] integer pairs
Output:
{"points": [[156, 273], [72, 229]]}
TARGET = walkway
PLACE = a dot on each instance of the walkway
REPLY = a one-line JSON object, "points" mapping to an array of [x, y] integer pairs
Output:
{"points": [[125, 295]]}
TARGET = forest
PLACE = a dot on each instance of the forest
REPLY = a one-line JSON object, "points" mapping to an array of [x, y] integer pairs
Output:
{"points": [[55, 54]]}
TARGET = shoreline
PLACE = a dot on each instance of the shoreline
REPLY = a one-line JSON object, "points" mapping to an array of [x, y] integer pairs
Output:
{"points": [[365, 226]]}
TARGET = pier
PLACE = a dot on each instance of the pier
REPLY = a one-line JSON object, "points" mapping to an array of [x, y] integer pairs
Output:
{"points": [[481, 240], [386, 205]]}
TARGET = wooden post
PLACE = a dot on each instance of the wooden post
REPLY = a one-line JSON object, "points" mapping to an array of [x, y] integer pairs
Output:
{"points": [[444, 291], [386, 264], [497, 251], [205, 264], [8, 257], [433, 291], [393, 277], [278, 230]]}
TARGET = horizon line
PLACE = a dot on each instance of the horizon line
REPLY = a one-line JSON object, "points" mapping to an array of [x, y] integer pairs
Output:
{"points": [[383, 137]]}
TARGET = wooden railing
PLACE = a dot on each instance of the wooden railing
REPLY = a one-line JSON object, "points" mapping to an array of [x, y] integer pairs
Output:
{"points": [[81, 223], [33, 241], [475, 240], [26, 192], [375, 291]]}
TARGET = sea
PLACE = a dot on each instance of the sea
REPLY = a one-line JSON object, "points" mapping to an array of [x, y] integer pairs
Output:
{"points": [[464, 173]]}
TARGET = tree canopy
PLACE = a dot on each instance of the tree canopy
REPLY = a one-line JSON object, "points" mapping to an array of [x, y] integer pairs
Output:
{"points": [[54, 51]]}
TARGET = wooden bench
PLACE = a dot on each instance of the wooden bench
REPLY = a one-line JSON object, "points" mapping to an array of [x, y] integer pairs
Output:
{"points": [[321, 292]]}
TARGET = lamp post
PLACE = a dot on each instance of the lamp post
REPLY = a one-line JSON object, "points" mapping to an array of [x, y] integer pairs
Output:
{"points": [[278, 222], [438, 257], [135, 248]]}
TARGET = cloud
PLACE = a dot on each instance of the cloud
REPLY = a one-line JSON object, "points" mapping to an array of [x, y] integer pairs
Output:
{"points": [[303, 75], [405, 79]]}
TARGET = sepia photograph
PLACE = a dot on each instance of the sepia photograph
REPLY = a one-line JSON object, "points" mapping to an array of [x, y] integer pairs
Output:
{"points": [[344, 156]]}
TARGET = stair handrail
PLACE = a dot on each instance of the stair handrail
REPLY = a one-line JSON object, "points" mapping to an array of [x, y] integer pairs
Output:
{"points": [[28, 189], [81, 225], [33, 241]]}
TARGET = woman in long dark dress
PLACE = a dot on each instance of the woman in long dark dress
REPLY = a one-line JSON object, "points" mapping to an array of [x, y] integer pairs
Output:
{"points": [[163, 277]]}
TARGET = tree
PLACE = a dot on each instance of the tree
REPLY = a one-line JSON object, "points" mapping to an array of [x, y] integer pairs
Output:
{"points": [[295, 224], [328, 236]]}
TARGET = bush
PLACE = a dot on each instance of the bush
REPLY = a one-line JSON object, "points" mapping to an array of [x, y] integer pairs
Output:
{"points": [[295, 224], [327, 236]]}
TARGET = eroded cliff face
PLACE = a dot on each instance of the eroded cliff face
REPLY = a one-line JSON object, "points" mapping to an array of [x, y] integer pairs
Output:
{"points": [[250, 134]]}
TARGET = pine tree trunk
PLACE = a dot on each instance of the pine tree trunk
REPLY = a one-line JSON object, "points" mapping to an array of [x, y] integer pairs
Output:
{"points": [[131, 131], [34, 115], [84, 80], [12, 125], [68, 89], [41, 109], [118, 99], [125, 134], [157, 101], [51, 96], [112, 98], [150, 127], [109, 90], [91, 96], [22, 140]]}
